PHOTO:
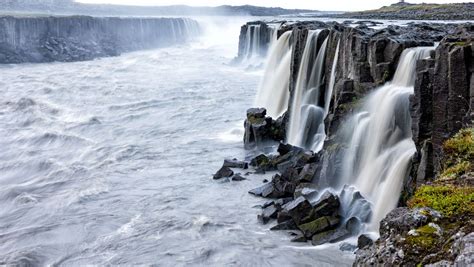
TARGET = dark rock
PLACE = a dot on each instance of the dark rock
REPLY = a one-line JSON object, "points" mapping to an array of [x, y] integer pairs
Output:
{"points": [[224, 172], [347, 247], [299, 239], [314, 227], [297, 209], [307, 174], [329, 237], [306, 190], [286, 225], [328, 204], [238, 178], [364, 241], [79, 38], [234, 163], [353, 225], [256, 113], [268, 213], [403, 220], [262, 191]]}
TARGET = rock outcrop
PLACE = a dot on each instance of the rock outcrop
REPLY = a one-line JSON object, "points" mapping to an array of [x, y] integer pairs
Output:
{"points": [[79, 38]]}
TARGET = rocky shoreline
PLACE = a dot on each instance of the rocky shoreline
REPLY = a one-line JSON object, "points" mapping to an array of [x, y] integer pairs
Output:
{"points": [[441, 112], [80, 38]]}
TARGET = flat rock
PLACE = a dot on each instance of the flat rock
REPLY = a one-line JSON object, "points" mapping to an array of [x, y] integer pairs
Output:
{"points": [[262, 191], [224, 172], [234, 163]]}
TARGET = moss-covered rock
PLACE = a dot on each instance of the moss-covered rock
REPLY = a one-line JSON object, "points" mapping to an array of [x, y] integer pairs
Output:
{"points": [[449, 200]]}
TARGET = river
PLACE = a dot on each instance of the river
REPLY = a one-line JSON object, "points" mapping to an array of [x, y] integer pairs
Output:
{"points": [[110, 162]]}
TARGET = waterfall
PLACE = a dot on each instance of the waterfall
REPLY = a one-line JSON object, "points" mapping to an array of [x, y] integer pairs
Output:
{"points": [[332, 81], [273, 92], [306, 128], [257, 40], [379, 140]]}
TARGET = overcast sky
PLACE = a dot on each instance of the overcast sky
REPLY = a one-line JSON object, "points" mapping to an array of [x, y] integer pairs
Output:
{"points": [[333, 5]]}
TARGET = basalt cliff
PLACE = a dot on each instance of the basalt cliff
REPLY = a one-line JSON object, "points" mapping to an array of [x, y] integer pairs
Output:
{"points": [[79, 38], [370, 133]]}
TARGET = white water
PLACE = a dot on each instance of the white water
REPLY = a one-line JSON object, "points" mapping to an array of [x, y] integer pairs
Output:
{"points": [[380, 144], [306, 127], [110, 162], [332, 81], [273, 92]]}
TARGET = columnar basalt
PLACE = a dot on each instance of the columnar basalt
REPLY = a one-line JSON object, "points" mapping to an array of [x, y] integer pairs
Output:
{"points": [[78, 38], [391, 100]]}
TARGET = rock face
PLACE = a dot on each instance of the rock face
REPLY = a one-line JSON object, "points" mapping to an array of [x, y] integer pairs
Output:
{"points": [[255, 39], [444, 99], [260, 129], [78, 38]]}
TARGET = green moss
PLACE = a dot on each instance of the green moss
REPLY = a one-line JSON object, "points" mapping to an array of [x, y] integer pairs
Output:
{"points": [[451, 201], [461, 144], [254, 120], [456, 170], [458, 155]]}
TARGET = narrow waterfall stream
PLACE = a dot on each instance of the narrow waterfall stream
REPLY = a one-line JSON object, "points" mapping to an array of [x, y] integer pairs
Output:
{"points": [[379, 140], [273, 90], [306, 128]]}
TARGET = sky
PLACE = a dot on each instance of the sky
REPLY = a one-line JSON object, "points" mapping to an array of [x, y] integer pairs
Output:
{"points": [[327, 5]]}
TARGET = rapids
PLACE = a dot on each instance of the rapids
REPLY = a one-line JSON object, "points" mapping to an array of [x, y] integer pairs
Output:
{"points": [[109, 162]]}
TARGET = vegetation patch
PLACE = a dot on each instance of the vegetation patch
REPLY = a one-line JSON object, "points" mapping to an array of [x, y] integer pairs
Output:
{"points": [[449, 200]]}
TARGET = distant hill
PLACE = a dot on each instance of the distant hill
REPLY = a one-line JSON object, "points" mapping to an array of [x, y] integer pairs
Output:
{"points": [[457, 11], [70, 7]]}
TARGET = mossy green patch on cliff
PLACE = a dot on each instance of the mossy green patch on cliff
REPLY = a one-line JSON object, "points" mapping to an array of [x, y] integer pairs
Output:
{"points": [[459, 155], [449, 200], [425, 238]]}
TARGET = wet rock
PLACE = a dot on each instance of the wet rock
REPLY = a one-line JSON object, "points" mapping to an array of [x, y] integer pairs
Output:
{"points": [[307, 174], [238, 178], [306, 190], [299, 239], [364, 241], [286, 225], [347, 247], [328, 204], [268, 213], [262, 162], [260, 129], [224, 172], [353, 225], [297, 209], [262, 191], [314, 227], [234, 163], [329, 237]]}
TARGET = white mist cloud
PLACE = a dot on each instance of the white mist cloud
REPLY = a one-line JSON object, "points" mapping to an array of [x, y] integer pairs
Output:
{"points": [[343, 5]]}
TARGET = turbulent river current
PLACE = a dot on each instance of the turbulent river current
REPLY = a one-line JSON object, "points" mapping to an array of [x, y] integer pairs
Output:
{"points": [[110, 162]]}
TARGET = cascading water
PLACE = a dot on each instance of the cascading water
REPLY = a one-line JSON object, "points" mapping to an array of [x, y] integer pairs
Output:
{"points": [[257, 40], [379, 141], [273, 92], [306, 128]]}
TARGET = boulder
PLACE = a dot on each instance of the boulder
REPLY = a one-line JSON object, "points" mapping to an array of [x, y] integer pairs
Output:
{"points": [[328, 204], [329, 237], [307, 174], [224, 172], [300, 238], [314, 227], [364, 241], [238, 178], [306, 190], [268, 213], [262, 191], [234, 163], [297, 209], [286, 225]]}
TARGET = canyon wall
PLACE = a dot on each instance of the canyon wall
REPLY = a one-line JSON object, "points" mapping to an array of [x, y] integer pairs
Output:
{"points": [[77, 38]]}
